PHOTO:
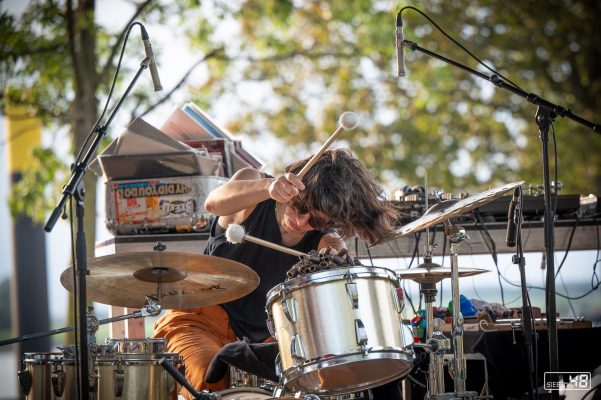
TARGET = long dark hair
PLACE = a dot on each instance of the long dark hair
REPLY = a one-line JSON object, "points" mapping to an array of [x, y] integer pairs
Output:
{"points": [[339, 186]]}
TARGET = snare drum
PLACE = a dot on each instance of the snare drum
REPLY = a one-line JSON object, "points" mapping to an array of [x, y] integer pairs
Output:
{"points": [[339, 331], [45, 376]]}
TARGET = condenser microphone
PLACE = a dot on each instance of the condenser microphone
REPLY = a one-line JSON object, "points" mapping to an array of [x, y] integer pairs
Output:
{"points": [[400, 52], [152, 66], [512, 226]]}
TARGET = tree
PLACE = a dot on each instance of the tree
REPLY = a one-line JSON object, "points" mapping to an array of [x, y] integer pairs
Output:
{"points": [[57, 61], [310, 61], [289, 69]]}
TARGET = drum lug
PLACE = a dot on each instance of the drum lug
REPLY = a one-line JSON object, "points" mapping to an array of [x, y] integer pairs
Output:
{"points": [[278, 365], [118, 382], [289, 308], [398, 298], [297, 348], [353, 294], [360, 333], [58, 382], [25, 380]]}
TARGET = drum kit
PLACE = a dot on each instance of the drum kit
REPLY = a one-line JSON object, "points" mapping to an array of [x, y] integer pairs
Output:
{"points": [[339, 331]]}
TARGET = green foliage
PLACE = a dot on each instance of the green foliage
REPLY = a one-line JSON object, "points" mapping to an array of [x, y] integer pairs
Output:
{"points": [[311, 61], [32, 195]]}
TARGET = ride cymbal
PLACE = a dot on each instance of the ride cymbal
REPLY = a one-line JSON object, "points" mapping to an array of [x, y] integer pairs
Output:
{"points": [[436, 274], [448, 209], [185, 280]]}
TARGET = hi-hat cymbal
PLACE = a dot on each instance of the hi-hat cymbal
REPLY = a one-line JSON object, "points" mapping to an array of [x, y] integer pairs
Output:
{"points": [[186, 279], [435, 274], [449, 209]]}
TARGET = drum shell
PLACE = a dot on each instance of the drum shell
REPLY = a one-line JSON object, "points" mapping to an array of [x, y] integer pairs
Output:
{"points": [[50, 375], [136, 376], [326, 324]]}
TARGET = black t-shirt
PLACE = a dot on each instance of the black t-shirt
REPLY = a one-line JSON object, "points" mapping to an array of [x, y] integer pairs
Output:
{"points": [[247, 315]]}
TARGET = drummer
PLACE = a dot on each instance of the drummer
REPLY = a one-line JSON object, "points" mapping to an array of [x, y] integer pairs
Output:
{"points": [[335, 200]]}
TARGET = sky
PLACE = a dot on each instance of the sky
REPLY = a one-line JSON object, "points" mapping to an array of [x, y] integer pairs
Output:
{"points": [[575, 277]]}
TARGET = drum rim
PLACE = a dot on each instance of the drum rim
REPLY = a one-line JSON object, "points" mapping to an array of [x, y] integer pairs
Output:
{"points": [[292, 374], [326, 276], [134, 340]]}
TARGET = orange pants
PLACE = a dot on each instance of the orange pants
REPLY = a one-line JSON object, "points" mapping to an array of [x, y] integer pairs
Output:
{"points": [[196, 334]]}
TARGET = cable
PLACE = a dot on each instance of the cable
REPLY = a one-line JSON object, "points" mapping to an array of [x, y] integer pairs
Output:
{"points": [[563, 283], [569, 246], [461, 46], [106, 104], [490, 244], [371, 260], [417, 236]]}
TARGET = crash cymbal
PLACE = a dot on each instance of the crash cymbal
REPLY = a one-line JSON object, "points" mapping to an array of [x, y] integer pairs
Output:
{"points": [[435, 274], [186, 279], [449, 209]]}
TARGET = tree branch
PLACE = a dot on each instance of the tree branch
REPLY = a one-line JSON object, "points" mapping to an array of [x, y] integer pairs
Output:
{"points": [[211, 54]]}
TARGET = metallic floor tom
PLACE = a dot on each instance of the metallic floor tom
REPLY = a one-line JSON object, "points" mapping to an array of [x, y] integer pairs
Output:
{"points": [[133, 376], [45, 376], [339, 330]]}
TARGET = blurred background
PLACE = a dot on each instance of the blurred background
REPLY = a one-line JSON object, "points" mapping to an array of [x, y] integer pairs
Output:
{"points": [[278, 74]]}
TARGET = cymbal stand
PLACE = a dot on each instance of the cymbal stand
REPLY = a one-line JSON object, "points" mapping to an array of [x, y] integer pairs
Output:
{"points": [[151, 309], [436, 344], [457, 368]]}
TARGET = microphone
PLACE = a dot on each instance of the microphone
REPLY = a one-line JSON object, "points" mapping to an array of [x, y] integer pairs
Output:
{"points": [[154, 73], [400, 53], [512, 227]]}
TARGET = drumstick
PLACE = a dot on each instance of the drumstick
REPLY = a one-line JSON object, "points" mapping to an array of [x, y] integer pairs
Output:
{"points": [[348, 120], [235, 234]]}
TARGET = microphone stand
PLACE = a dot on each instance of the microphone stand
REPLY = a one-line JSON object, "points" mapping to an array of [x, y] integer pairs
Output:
{"points": [[546, 113], [75, 188], [519, 259]]}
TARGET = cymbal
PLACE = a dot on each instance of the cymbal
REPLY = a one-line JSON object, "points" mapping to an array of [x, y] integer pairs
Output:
{"points": [[436, 274], [186, 279], [449, 209]]}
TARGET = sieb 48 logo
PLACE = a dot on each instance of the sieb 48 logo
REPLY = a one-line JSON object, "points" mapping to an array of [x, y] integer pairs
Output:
{"points": [[567, 380]]}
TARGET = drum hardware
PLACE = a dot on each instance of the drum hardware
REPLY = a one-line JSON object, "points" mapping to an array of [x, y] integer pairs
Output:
{"points": [[150, 309], [172, 280], [41, 372], [181, 379], [429, 273]]}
